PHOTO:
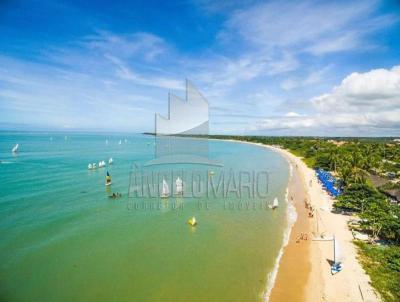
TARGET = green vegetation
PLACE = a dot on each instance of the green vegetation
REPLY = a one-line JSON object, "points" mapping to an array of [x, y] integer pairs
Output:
{"points": [[382, 263], [352, 161]]}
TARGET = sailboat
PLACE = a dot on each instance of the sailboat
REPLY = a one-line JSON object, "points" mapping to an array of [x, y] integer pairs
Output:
{"points": [[319, 234], [120, 142], [15, 149], [274, 204], [90, 167], [337, 258], [110, 161], [192, 221], [165, 189], [178, 186], [108, 179]]}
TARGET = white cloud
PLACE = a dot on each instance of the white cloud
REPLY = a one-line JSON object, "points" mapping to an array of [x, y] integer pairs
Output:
{"points": [[126, 73], [312, 78], [292, 114], [342, 42], [313, 26], [265, 48], [372, 91], [283, 124], [369, 100], [139, 44], [44, 95]]}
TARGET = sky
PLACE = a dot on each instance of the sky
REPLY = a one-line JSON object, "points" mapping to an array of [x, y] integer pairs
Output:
{"points": [[329, 68]]}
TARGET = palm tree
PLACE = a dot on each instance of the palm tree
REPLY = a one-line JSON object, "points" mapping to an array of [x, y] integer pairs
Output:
{"points": [[333, 158], [345, 174], [359, 175]]}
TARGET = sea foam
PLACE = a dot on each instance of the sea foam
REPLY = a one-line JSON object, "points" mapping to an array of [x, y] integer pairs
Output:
{"points": [[291, 215]]}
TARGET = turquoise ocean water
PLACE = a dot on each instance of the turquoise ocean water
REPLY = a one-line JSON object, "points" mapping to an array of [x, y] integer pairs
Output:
{"points": [[63, 239]]}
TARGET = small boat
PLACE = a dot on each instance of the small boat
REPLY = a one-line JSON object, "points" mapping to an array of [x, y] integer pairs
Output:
{"points": [[165, 189], [15, 149], [90, 167], [108, 179], [275, 204], [337, 258], [102, 164], [94, 166], [178, 186], [110, 161], [192, 221], [211, 173], [120, 142]]}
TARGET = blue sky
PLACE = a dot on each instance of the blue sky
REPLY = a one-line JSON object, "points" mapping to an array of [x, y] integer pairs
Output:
{"points": [[266, 67]]}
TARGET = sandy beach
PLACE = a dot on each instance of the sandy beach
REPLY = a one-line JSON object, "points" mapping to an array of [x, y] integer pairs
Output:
{"points": [[304, 270], [352, 283]]}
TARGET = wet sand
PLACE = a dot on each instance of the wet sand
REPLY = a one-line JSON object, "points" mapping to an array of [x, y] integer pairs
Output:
{"points": [[295, 267]]}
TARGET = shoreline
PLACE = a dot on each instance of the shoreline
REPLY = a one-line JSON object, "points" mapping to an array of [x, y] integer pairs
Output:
{"points": [[352, 283], [294, 266], [291, 220], [304, 267], [292, 269]]}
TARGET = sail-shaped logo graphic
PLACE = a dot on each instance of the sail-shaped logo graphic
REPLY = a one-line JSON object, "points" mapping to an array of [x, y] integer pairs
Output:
{"points": [[187, 117]]}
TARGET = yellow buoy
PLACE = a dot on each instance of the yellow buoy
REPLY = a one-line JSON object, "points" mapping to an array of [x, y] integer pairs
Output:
{"points": [[192, 221]]}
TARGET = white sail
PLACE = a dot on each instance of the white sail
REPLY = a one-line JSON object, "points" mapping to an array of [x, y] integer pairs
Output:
{"points": [[89, 166], [178, 186], [165, 189], [120, 142], [337, 251], [110, 161], [15, 149], [274, 204]]}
